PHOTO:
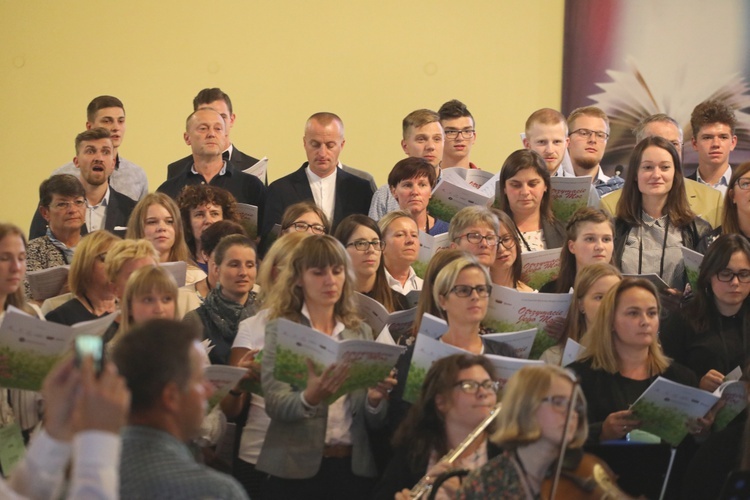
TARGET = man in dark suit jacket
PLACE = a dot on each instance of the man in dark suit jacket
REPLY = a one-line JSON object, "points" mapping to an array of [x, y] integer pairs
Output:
{"points": [[337, 192], [105, 207], [215, 99]]}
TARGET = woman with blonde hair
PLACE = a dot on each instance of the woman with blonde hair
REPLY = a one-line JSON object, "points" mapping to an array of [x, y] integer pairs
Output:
{"points": [[591, 285], [314, 449], [530, 429], [150, 293], [156, 218], [623, 357], [250, 339], [401, 250], [91, 292], [25, 405]]}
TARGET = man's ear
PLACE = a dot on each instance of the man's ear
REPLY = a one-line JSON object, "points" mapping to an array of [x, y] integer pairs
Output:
{"points": [[170, 397]]}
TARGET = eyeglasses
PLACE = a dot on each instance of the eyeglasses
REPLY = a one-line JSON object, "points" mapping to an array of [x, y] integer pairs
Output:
{"points": [[364, 245], [477, 238], [743, 184], [301, 227], [472, 386], [508, 242], [560, 404], [65, 205], [586, 133], [453, 134], [727, 275], [464, 291]]}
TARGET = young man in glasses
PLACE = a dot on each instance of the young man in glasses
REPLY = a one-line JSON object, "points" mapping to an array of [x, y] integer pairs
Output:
{"points": [[460, 134], [588, 131]]}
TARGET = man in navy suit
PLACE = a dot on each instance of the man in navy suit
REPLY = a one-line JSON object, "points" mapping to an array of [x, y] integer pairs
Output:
{"points": [[215, 99], [105, 207], [337, 192]]}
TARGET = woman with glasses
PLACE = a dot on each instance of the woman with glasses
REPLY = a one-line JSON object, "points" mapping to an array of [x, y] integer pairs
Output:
{"points": [[525, 197], [92, 293], [711, 334], [736, 218], [461, 292], [590, 236], [654, 218], [507, 268], [457, 394], [623, 357], [314, 449], [156, 218], [62, 203], [529, 431], [401, 250], [411, 182], [475, 230], [304, 216], [364, 243]]}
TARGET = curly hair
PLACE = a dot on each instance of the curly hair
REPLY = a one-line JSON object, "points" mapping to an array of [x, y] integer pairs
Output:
{"points": [[192, 197]]}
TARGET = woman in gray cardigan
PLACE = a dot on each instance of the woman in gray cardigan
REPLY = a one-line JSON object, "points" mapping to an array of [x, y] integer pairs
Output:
{"points": [[314, 449]]}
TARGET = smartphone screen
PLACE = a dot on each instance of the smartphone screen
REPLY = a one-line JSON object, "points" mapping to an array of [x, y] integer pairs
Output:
{"points": [[90, 345]]}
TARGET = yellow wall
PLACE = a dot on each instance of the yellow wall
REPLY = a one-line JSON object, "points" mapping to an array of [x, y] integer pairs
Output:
{"points": [[370, 62]]}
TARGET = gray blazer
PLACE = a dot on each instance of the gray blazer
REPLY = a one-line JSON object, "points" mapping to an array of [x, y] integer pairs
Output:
{"points": [[293, 448]]}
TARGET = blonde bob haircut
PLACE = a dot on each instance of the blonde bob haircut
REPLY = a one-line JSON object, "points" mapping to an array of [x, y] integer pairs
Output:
{"points": [[388, 219], [472, 216], [137, 224], [125, 250], [448, 275], [88, 250], [599, 339], [516, 424], [320, 252], [147, 279], [276, 260]]}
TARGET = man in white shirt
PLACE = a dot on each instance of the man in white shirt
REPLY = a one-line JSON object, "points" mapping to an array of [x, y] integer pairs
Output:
{"points": [[337, 192], [105, 207], [128, 178], [83, 409], [713, 124], [423, 137]]}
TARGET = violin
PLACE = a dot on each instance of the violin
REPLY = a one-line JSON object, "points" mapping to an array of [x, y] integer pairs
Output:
{"points": [[583, 477]]}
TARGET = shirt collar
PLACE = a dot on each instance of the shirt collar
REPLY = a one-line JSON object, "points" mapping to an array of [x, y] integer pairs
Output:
{"points": [[723, 181], [393, 281], [313, 177], [67, 251], [103, 203], [221, 172], [337, 329]]}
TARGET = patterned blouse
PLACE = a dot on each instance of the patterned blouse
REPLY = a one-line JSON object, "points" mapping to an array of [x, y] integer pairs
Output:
{"points": [[500, 478]]}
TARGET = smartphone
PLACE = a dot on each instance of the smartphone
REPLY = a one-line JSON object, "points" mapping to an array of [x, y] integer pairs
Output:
{"points": [[90, 345]]}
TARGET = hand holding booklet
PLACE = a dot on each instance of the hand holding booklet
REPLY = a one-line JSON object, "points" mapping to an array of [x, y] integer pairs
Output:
{"points": [[369, 362], [29, 346]]}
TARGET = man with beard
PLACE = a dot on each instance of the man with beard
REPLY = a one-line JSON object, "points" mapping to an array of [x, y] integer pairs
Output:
{"points": [[547, 134], [588, 133], [105, 207]]}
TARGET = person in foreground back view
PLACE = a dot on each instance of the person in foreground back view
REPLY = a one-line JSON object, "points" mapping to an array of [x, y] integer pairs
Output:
{"points": [[83, 416], [162, 362]]}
